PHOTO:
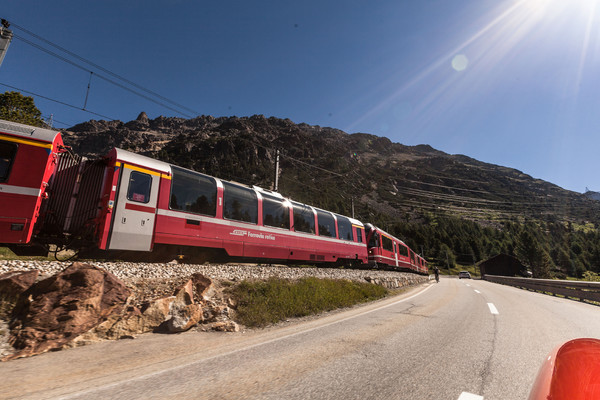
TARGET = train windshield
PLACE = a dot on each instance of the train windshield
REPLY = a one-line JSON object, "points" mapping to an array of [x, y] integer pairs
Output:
{"points": [[7, 154], [374, 240]]}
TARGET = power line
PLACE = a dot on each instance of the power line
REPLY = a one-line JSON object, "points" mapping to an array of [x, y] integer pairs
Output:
{"points": [[114, 75], [56, 101], [101, 77]]}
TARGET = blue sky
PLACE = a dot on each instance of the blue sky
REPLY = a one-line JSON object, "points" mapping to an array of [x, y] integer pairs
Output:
{"points": [[509, 82]]}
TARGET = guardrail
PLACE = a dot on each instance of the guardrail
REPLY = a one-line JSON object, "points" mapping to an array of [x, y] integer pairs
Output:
{"points": [[575, 289]]}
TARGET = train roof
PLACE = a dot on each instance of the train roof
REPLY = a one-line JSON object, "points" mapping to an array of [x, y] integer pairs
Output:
{"points": [[142, 161], [371, 226], [28, 131]]}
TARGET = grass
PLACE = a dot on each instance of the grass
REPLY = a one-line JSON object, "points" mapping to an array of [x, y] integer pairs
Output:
{"points": [[268, 302], [7, 254]]}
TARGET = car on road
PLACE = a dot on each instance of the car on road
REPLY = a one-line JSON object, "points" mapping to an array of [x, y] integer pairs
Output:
{"points": [[464, 274]]}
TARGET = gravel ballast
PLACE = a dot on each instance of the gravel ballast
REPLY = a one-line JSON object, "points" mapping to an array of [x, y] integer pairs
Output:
{"points": [[129, 271]]}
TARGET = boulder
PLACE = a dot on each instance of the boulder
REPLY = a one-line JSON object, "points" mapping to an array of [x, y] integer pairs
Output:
{"points": [[225, 326], [12, 284], [154, 315], [184, 318], [203, 285], [215, 312], [58, 309], [185, 294], [124, 325]]}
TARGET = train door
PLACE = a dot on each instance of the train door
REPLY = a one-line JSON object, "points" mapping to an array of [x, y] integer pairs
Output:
{"points": [[134, 210], [396, 253]]}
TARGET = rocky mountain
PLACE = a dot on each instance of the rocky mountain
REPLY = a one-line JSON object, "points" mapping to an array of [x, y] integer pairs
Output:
{"points": [[592, 195], [331, 169]]}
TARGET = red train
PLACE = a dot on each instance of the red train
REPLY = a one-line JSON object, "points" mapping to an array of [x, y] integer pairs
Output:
{"points": [[133, 207]]}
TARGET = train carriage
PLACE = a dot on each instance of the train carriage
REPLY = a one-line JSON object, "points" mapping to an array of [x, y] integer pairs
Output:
{"points": [[129, 206], [28, 157], [387, 251]]}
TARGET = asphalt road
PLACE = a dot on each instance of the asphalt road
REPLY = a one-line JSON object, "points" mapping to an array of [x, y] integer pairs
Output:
{"points": [[459, 339]]}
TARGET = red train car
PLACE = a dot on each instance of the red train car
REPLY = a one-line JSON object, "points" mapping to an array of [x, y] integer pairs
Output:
{"points": [[28, 157], [129, 206], [132, 206], [151, 205], [388, 251]]}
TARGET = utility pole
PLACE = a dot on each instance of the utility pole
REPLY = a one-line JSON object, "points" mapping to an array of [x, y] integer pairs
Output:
{"points": [[6, 36], [276, 188], [353, 207]]}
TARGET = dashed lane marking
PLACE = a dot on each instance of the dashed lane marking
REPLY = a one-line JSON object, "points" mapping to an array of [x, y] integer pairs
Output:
{"points": [[477, 291], [493, 308], [469, 396]]}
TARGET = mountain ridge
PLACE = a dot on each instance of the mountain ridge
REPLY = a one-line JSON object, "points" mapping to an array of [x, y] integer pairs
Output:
{"points": [[401, 181]]}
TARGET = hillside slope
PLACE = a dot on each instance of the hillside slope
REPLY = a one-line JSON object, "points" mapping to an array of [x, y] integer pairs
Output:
{"points": [[330, 168]]}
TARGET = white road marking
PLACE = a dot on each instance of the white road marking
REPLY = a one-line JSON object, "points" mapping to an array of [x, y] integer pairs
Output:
{"points": [[467, 284], [469, 396], [493, 308], [477, 291]]}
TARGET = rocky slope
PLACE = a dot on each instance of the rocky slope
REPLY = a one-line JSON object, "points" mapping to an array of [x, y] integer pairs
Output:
{"points": [[330, 168]]}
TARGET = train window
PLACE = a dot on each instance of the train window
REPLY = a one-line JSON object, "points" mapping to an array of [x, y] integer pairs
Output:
{"points": [[239, 203], [326, 223], [374, 240], [193, 192], [388, 244], [402, 250], [358, 235], [7, 155], [344, 228], [304, 218], [139, 187], [275, 213]]}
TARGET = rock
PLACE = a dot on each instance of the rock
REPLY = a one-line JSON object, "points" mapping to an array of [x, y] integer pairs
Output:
{"points": [[185, 294], [12, 284], [118, 326], [58, 309], [215, 312], [232, 303], [203, 285], [155, 314], [184, 318], [226, 326], [143, 118]]}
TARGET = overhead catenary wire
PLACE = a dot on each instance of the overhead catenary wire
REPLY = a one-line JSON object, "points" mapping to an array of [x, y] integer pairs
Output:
{"points": [[56, 101], [111, 81], [100, 68]]}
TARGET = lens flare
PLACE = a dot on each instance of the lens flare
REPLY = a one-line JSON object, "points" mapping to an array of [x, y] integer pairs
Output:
{"points": [[460, 62]]}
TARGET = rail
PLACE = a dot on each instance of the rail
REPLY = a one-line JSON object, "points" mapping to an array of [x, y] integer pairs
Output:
{"points": [[589, 291]]}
